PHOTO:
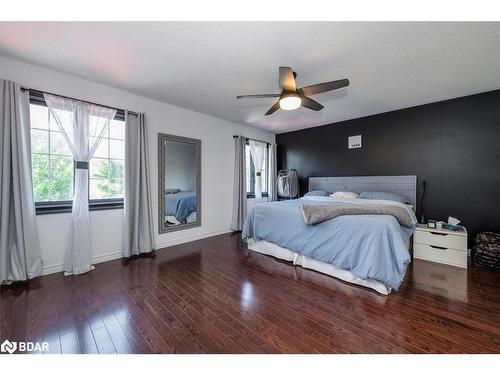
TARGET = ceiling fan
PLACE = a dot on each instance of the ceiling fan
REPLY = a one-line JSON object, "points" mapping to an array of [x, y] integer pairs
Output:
{"points": [[291, 97]]}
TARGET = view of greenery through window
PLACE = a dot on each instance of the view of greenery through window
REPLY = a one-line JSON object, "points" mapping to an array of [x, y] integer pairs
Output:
{"points": [[52, 161]]}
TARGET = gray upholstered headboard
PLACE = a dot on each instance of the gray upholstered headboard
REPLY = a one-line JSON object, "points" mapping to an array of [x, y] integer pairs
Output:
{"points": [[404, 185]]}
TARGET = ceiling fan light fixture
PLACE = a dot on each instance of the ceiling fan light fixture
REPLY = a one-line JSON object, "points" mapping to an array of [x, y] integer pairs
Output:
{"points": [[292, 97], [290, 102]]}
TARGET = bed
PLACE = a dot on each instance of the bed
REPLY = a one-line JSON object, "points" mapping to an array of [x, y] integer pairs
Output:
{"points": [[180, 207], [367, 250]]}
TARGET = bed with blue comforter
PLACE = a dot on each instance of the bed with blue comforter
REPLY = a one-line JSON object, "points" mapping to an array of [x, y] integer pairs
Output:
{"points": [[180, 205], [369, 246]]}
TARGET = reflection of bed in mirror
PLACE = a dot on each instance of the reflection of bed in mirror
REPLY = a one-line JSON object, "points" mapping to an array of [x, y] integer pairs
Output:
{"points": [[180, 207], [179, 182]]}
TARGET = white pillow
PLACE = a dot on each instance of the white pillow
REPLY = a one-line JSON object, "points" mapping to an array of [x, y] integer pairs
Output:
{"points": [[344, 195]]}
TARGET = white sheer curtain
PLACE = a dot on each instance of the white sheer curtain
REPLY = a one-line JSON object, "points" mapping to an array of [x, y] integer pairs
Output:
{"points": [[83, 125], [258, 153]]}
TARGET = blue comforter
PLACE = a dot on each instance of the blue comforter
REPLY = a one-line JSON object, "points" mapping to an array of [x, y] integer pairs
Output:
{"points": [[370, 246], [180, 204]]}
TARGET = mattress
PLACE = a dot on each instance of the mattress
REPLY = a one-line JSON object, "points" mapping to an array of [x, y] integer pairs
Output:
{"points": [[268, 248]]}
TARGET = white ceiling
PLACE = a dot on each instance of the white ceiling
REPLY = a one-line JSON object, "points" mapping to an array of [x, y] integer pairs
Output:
{"points": [[202, 66]]}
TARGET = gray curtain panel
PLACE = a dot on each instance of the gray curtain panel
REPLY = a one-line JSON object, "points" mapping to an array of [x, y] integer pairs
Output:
{"points": [[273, 189], [240, 185], [19, 248], [138, 221]]}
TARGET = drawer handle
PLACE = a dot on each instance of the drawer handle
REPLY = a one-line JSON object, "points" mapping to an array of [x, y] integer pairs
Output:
{"points": [[438, 247], [439, 234]]}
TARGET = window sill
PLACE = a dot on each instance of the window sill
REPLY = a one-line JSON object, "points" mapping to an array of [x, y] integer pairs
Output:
{"points": [[46, 208], [252, 196]]}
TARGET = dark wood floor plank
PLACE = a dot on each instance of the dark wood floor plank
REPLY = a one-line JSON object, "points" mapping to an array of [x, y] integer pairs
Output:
{"points": [[131, 313], [19, 323], [216, 296], [274, 333], [34, 328], [190, 340], [161, 290], [138, 296], [86, 341], [174, 314], [224, 310], [126, 338], [444, 338], [349, 313], [92, 313], [118, 337], [205, 339], [313, 324], [51, 328], [132, 332], [208, 311], [281, 318], [279, 293], [216, 330], [248, 340]]}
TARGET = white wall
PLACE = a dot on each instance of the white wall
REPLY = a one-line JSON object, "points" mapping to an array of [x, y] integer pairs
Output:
{"points": [[106, 226]]}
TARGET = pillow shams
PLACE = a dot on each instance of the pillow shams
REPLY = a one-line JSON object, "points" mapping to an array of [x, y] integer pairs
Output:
{"points": [[384, 196], [344, 195]]}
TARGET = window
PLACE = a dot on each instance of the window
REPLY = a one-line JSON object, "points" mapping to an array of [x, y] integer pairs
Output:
{"points": [[53, 165], [106, 166], [51, 159], [250, 171]]}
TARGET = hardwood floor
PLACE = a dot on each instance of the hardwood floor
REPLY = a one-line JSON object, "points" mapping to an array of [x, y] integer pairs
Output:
{"points": [[214, 296]]}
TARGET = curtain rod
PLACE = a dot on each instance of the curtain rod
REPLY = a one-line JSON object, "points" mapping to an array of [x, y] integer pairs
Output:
{"points": [[258, 140], [69, 97]]}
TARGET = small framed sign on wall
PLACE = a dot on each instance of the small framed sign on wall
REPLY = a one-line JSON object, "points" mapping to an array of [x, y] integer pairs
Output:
{"points": [[354, 141]]}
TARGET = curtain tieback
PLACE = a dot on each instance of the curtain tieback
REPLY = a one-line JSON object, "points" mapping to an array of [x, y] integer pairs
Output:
{"points": [[81, 164]]}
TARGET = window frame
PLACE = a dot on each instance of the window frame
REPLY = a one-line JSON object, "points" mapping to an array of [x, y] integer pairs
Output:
{"points": [[66, 206], [265, 194]]}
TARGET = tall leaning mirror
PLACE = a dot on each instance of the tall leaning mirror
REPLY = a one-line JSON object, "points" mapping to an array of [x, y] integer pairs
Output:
{"points": [[179, 182]]}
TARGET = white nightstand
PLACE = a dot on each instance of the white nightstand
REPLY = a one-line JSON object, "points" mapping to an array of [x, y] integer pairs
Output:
{"points": [[440, 245]]}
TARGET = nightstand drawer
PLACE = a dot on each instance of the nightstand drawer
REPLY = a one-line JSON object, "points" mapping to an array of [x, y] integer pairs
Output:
{"points": [[450, 241], [442, 255]]}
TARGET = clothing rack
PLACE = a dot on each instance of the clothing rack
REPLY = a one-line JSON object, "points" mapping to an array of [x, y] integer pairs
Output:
{"points": [[40, 94]]}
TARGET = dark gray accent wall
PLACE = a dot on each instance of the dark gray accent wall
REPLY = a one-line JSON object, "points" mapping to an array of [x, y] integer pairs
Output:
{"points": [[454, 145]]}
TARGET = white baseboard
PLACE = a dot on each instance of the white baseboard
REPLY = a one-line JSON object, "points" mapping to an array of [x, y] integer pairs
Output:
{"points": [[46, 270], [193, 237]]}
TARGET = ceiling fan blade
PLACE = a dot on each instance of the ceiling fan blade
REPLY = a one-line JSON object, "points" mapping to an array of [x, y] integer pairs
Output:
{"points": [[258, 96], [273, 109], [287, 80], [325, 86], [311, 104]]}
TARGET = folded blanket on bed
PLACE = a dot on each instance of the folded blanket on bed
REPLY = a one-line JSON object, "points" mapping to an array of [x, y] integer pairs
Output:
{"points": [[314, 214]]}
